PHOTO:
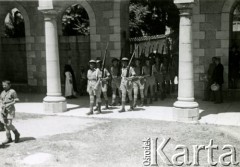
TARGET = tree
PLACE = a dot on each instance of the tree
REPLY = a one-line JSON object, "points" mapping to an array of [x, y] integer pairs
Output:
{"points": [[75, 21], [150, 17]]}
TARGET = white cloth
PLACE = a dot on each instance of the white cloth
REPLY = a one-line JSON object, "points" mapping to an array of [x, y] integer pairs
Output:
{"points": [[68, 84]]}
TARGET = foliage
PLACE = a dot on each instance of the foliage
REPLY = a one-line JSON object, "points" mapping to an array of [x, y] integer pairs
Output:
{"points": [[75, 21], [14, 24], [150, 17]]}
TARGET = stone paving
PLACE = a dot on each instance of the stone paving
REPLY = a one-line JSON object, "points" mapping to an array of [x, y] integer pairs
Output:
{"points": [[221, 114]]}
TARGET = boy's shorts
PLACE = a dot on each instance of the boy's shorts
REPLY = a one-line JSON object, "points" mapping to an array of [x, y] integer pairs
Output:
{"points": [[7, 115]]}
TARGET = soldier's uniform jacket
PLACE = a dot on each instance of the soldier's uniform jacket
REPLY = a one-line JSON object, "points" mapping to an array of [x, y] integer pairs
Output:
{"points": [[124, 74], [147, 71], [114, 72], [138, 71], [105, 73], [92, 76]]}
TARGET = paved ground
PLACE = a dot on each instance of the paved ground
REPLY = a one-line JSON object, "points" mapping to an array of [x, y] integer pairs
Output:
{"points": [[221, 114], [111, 138]]}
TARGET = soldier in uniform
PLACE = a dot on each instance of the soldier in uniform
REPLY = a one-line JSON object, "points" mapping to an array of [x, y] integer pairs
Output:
{"points": [[149, 71], [158, 76], [138, 83], [116, 80], [126, 84], [93, 87], [104, 78]]}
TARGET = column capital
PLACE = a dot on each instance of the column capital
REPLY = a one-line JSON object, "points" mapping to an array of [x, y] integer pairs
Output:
{"points": [[50, 14], [185, 6]]}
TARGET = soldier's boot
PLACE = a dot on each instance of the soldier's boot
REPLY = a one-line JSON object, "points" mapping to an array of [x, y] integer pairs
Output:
{"points": [[99, 108], [95, 109], [106, 105], [113, 103], [17, 135], [8, 139], [131, 106], [123, 107], [135, 103], [142, 102], [91, 109]]}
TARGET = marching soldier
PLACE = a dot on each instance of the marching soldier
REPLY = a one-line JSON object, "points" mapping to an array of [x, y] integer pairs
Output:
{"points": [[116, 80], [149, 71], [104, 78], [158, 75], [93, 87], [138, 83], [126, 86]]}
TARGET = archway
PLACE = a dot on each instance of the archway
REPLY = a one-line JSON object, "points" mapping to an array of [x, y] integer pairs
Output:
{"points": [[13, 45], [75, 43]]}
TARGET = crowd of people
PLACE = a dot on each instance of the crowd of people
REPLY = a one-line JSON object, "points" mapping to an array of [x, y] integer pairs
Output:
{"points": [[145, 78]]}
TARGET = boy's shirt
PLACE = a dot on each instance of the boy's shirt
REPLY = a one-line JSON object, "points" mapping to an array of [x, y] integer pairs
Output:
{"points": [[8, 97]]}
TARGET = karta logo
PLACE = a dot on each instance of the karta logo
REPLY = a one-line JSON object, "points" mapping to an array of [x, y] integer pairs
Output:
{"points": [[153, 151]]}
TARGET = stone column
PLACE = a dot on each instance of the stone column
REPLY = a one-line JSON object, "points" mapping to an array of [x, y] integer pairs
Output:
{"points": [[54, 101], [185, 109]]}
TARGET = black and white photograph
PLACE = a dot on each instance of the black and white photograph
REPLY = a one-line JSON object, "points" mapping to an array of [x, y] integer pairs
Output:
{"points": [[119, 83]]}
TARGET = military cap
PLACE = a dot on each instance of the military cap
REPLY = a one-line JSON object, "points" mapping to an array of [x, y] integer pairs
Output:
{"points": [[98, 61], [124, 59], [92, 61], [114, 59]]}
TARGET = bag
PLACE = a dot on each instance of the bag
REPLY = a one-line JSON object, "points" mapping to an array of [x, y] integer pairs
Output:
{"points": [[215, 87], [175, 80]]}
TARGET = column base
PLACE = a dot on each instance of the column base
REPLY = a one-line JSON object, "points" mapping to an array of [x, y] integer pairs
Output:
{"points": [[186, 111], [55, 104]]}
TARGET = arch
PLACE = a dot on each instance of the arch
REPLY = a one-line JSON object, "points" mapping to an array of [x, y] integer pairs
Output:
{"points": [[24, 14], [229, 5], [89, 10]]}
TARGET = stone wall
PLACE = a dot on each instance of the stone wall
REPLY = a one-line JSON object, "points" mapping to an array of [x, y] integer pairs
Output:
{"points": [[107, 24], [14, 60], [209, 40], [75, 51]]}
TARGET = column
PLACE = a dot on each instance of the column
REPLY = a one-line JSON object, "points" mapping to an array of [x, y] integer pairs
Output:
{"points": [[54, 101], [185, 109]]}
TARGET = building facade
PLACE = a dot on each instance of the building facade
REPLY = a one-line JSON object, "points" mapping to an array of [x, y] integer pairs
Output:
{"points": [[37, 60]]}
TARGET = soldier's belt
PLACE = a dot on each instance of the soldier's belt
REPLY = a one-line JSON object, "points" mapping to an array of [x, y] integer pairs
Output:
{"points": [[92, 79]]}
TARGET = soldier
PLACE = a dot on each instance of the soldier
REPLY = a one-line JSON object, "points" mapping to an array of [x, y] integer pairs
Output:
{"points": [[138, 83], [158, 76], [116, 80], [149, 71], [103, 83], [126, 86], [163, 72], [93, 87]]}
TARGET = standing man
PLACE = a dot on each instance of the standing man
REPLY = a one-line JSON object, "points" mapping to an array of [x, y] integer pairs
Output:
{"points": [[105, 77], [138, 83], [8, 99], [126, 86], [218, 79], [208, 92], [93, 87], [116, 80]]}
